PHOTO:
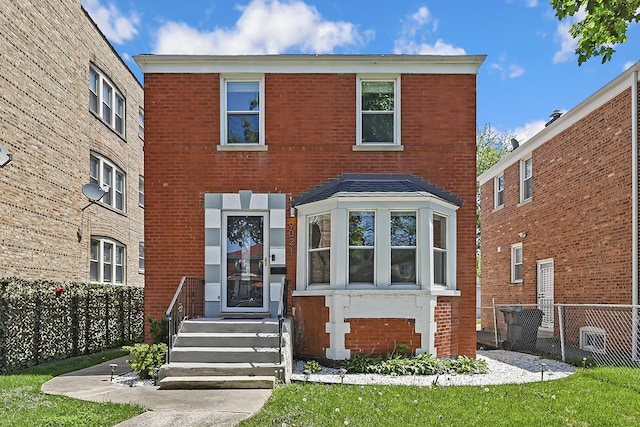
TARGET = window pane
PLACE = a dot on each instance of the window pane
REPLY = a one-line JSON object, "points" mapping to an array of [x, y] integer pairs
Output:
{"points": [[141, 190], [403, 228], [243, 128], [377, 96], [243, 96], [141, 256], [94, 166], [528, 170], [361, 265], [141, 123], [517, 272], [107, 259], [528, 188], [362, 228], [320, 267], [93, 91], [518, 255], [320, 231], [377, 127], [119, 264], [119, 114], [95, 261], [439, 232], [403, 266], [440, 267], [107, 177], [119, 191]]}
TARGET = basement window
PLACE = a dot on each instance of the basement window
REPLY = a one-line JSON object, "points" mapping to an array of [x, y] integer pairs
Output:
{"points": [[593, 339]]}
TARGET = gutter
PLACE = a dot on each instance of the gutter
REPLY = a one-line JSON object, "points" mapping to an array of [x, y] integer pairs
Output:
{"points": [[634, 210]]}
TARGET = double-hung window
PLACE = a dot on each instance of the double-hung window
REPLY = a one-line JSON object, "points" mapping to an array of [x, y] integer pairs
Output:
{"points": [[242, 121], [498, 191], [439, 250], [106, 101], [141, 257], [111, 178], [141, 123], [526, 179], [107, 262], [362, 232], [516, 263], [378, 111], [141, 191], [403, 245]]}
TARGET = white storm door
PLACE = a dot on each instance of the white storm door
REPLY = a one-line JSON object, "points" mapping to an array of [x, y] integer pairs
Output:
{"points": [[245, 284], [545, 293]]}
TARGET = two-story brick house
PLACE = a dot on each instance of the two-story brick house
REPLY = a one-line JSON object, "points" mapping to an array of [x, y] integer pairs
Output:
{"points": [[560, 213], [71, 115], [352, 176]]}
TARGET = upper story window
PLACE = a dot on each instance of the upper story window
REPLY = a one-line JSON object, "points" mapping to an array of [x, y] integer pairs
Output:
{"points": [[498, 191], [376, 246], [516, 263], [108, 260], [526, 179], [242, 121], [109, 176], [141, 257], [141, 123], [106, 101], [378, 111], [141, 191]]}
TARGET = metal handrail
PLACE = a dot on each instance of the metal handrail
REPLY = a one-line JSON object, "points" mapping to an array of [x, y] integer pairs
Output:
{"points": [[282, 313], [187, 302]]}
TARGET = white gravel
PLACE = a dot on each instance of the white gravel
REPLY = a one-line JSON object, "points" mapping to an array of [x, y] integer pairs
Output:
{"points": [[505, 367]]}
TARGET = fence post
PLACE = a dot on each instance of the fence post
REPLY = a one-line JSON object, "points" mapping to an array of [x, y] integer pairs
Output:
{"points": [[495, 321], [561, 326]]}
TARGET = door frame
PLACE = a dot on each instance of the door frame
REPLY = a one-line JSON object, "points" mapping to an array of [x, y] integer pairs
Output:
{"points": [[542, 296], [224, 307]]}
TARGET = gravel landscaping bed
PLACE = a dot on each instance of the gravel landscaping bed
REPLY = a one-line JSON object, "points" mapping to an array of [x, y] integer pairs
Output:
{"points": [[505, 367]]}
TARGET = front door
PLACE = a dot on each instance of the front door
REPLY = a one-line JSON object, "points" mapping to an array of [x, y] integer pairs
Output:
{"points": [[245, 266], [545, 293]]}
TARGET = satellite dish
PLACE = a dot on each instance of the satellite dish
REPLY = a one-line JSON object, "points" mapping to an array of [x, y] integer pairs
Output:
{"points": [[5, 156], [93, 192]]}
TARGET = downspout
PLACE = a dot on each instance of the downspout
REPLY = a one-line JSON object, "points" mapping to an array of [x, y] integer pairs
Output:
{"points": [[634, 211]]}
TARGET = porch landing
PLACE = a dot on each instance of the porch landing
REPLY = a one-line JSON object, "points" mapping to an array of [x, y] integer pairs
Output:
{"points": [[228, 353]]}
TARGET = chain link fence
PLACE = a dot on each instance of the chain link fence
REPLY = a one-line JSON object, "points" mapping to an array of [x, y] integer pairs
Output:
{"points": [[599, 334]]}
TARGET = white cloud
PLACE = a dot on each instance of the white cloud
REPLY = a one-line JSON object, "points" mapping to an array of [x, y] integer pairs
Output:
{"points": [[567, 43], [531, 3], [415, 23], [264, 27], [628, 65], [116, 27], [511, 71], [524, 133]]}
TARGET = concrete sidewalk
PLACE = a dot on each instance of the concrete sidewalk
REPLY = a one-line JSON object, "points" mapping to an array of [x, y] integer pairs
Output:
{"points": [[167, 407]]}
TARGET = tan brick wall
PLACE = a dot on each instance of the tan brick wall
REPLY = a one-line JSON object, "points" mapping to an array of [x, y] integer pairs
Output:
{"points": [[46, 47], [580, 215]]}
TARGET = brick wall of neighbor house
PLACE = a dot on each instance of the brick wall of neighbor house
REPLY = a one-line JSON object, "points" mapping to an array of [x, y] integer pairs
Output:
{"points": [[310, 131], [580, 215], [46, 124]]}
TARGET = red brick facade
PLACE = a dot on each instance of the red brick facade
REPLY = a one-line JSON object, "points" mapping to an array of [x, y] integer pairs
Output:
{"points": [[380, 337], [580, 214], [310, 133]]}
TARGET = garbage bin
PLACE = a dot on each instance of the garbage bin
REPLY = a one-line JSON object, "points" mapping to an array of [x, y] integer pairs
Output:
{"points": [[522, 328]]}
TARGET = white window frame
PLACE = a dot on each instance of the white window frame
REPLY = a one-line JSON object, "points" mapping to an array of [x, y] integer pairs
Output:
{"points": [[498, 190], [309, 250], [111, 197], [339, 207], [396, 109], [526, 179], [141, 191], [105, 107], [141, 257], [247, 78], [100, 243], [141, 123], [514, 262]]}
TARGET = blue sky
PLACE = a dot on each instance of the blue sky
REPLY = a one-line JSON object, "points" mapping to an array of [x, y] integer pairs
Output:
{"points": [[530, 69]]}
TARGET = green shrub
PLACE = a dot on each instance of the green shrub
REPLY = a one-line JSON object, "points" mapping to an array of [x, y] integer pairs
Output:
{"points": [[147, 357], [312, 366], [159, 329]]}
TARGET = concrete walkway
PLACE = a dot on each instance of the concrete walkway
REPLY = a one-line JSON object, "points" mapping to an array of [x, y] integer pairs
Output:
{"points": [[167, 407]]}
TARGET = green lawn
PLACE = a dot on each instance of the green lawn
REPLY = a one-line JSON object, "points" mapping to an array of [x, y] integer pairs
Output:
{"points": [[591, 397], [22, 403]]}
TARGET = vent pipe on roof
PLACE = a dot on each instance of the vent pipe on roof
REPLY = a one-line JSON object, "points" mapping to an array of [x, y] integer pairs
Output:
{"points": [[554, 116], [514, 144]]}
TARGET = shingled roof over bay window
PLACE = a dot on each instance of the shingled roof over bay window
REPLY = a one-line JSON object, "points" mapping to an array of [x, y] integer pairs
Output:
{"points": [[375, 185]]}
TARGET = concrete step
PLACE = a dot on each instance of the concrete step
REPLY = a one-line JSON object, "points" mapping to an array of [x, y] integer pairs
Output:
{"points": [[230, 326], [225, 354], [182, 369], [217, 382], [231, 339]]}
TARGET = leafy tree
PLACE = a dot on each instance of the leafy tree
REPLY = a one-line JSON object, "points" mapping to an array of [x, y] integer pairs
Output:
{"points": [[491, 147], [605, 24]]}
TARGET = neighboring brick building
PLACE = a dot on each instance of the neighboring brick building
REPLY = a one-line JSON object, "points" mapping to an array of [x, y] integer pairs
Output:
{"points": [[351, 176], [70, 116], [559, 213]]}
